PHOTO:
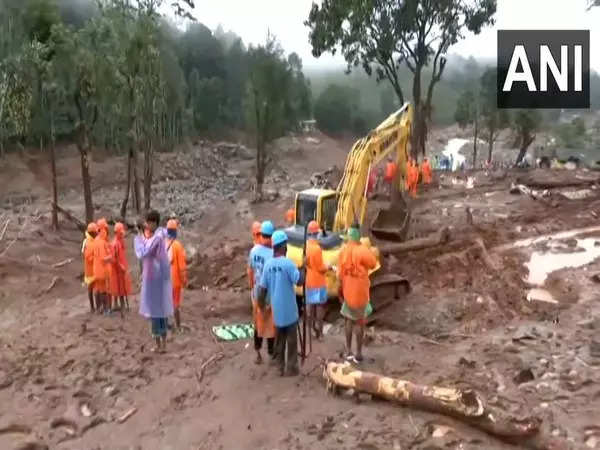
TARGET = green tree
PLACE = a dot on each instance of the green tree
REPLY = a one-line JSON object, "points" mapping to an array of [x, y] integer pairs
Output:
{"points": [[387, 102], [493, 120], [266, 98], [381, 35], [468, 112], [526, 122], [334, 109]]}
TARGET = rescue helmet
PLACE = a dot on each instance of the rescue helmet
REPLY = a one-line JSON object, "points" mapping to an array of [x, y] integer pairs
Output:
{"points": [[92, 227], [313, 227], [255, 228], [102, 223], [172, 224], [279, 238], [267, 228], [119, 228]]}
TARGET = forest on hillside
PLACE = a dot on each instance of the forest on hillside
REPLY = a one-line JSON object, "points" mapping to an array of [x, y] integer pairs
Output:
{"points": [[126, 78], [375, 100]]}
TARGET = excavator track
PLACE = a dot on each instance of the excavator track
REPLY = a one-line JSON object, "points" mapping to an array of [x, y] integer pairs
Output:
{"points": [[386, 290]]}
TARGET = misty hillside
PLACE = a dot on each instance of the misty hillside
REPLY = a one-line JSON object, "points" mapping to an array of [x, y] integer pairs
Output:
{"points": [[461, 74]]}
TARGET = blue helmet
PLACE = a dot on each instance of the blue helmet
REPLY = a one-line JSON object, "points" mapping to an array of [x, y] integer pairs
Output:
{"points": [[267, 228], [278, 238]]}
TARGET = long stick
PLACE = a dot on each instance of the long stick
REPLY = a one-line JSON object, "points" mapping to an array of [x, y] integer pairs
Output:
{"points": [[305, 318]]}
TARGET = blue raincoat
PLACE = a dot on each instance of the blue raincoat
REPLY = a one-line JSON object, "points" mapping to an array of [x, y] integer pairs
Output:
{"points": [[157, 291]]}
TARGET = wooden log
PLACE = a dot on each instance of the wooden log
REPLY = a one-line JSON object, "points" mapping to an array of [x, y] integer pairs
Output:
{"points": [[439, 238], [462, 404], [533, 183], [82, 226]]}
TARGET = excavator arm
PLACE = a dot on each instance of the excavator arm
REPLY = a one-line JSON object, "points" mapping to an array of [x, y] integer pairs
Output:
{"points": [[392, 136]]}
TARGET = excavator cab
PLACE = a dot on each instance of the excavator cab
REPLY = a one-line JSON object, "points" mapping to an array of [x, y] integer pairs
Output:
{"points": [[319, 205]]}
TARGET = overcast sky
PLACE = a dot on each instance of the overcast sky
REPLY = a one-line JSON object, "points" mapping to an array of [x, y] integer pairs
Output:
{"points": [[251, 19]]}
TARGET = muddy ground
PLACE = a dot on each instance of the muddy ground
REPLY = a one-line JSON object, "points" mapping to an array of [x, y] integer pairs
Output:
{"points": [[68, 378]]}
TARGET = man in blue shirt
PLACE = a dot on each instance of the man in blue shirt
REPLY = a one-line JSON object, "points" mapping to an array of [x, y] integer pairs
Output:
{"points": [[263, 317], [279, 278]]}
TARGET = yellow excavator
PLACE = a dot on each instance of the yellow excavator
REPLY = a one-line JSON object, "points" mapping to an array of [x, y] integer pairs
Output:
{"points": [[336, 210]]}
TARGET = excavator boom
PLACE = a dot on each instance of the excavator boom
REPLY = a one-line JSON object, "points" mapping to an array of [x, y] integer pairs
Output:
{"points": [[391, 137]]}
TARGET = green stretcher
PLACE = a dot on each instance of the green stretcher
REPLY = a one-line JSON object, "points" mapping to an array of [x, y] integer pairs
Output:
{"points": [[234, 332]]}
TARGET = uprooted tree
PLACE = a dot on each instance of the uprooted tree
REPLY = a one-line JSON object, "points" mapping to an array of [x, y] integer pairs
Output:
{"points": [[271, 110], [383, 35]]}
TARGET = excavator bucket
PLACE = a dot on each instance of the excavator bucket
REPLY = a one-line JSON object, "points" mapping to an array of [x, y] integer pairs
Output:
{"points": [[391, 224]]}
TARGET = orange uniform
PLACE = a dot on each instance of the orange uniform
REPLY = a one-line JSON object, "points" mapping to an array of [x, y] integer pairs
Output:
{"points": [[87, 251], [120, 279], [290, 216], [412, 178], [355, 261], [426, 171], [316, 269], [178, 269], [390, 171], [101, 264]]}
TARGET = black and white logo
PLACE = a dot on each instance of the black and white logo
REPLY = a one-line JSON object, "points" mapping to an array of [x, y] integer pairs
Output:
{"points": [[543, 69]]}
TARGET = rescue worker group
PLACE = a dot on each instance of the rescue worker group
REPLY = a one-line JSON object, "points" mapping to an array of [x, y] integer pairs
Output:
{"points": [[272, 276]]}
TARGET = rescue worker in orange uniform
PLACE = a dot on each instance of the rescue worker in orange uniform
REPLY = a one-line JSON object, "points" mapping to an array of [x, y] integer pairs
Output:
{"points": [[355, 261], [290, 217], [412, 177], [390, 174], [87, 250], [316, 283], [256, 237], [426, 171], [102, 261], [264, 327], [179, 277], [120, 278]]}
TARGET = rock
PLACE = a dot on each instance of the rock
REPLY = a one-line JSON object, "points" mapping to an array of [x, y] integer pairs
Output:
{"points": [[595, 349], [524, 376], [466, 363], [31, 445], [109, 391], [300, 186]]}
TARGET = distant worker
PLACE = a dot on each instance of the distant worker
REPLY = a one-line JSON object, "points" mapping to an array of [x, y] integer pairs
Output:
{"points": [[426, 171], [390, 174], [262, 315], [279, 278], [87, 250], [316, 283], [290, 217], [102, 261], [371, 182], [156, 299], [120, 279], [413, 176], [255, 233], [179, 277], [355, 262]]}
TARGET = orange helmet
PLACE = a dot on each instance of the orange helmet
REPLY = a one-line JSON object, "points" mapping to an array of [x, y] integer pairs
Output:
{"points": [[290, 215], [102, 223], [119, 228], [255, 228], [313, 227], [92, 228], [172, 224]]}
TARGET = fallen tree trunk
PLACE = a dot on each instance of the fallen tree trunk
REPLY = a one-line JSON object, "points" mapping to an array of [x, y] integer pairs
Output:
{"points": [[439, 238], [463, 404], [71, 217], [556, 184]]}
